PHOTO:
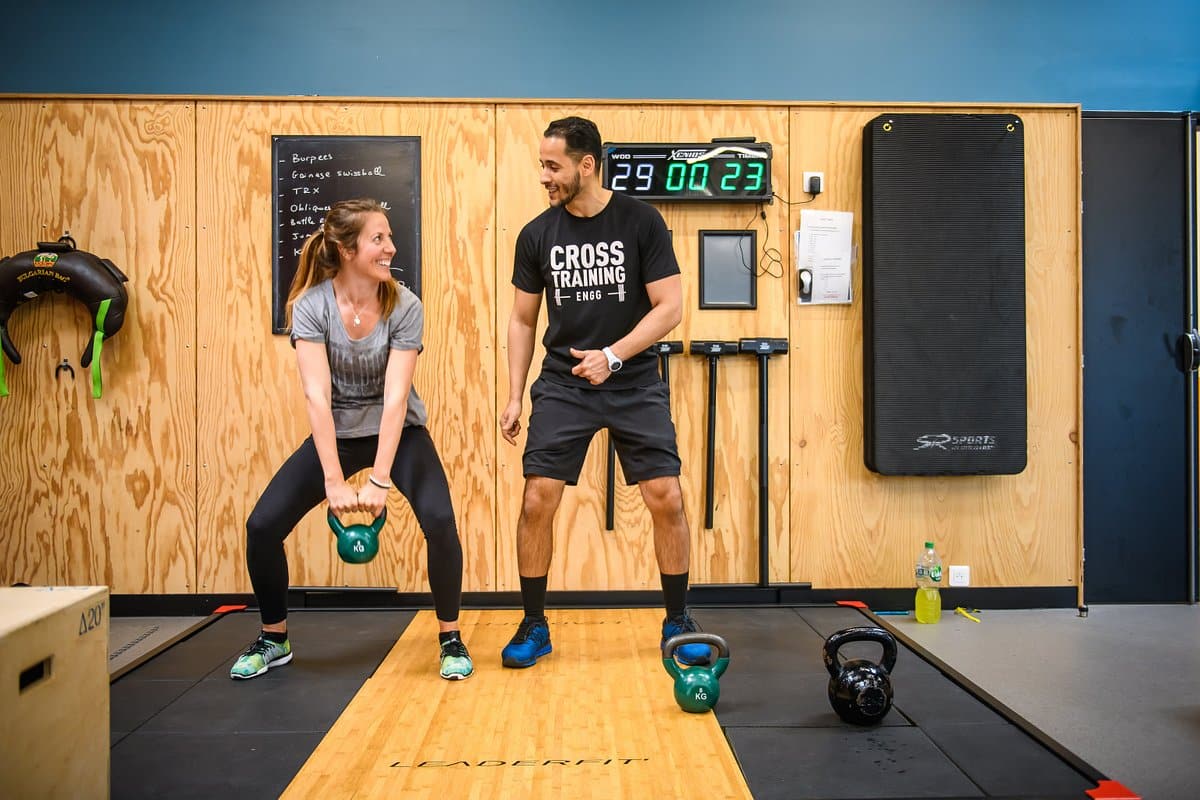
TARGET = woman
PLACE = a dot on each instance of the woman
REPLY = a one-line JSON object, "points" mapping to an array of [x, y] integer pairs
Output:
{"points": [[357, 334]]}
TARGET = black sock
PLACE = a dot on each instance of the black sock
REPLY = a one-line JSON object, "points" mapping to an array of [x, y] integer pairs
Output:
{"points": [[675, 593], [533, 596], [278, 637], [446, 636]]}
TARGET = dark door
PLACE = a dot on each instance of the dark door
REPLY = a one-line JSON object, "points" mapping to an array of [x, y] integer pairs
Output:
{"points": [[1137, 403]]}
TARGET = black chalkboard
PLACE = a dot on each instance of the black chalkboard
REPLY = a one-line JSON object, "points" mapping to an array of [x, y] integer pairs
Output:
{"points": [[311, 173]]}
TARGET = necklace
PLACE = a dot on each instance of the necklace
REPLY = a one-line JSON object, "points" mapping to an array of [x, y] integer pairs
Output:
{"points": [[357, 312]]}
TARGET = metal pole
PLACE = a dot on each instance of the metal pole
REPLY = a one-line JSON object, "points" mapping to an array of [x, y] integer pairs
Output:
{"points": [[710, 457], [1189, 148], [610, 491], [764, 549]]}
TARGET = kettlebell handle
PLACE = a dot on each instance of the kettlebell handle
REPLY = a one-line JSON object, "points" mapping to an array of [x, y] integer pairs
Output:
{"points": [[711, 639], [337, 527], [860, 634]]}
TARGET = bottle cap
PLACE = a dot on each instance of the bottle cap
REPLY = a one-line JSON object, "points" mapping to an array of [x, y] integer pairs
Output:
{"points": [[929, 545]]}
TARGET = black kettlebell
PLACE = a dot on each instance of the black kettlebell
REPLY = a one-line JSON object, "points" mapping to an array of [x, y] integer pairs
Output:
{"points": [[860, 690], [357, 544], [698, 688]]}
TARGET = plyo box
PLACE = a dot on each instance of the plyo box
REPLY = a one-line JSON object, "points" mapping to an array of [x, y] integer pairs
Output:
{"points": [[54, 740]]}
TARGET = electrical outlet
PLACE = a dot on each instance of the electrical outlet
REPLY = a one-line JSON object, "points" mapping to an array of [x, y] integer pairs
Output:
{"points": [[960, 576], [808, 185]]}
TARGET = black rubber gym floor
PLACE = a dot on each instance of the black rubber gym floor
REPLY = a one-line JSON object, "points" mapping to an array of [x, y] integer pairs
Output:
{"points": [[182, 729], [938, 740]]}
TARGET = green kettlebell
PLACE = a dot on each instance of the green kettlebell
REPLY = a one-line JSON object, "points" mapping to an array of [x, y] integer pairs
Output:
{"points": [[357, 544], [697, 689]]}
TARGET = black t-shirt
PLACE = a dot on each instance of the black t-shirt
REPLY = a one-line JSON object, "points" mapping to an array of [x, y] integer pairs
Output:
{"points": [[594, 271]]}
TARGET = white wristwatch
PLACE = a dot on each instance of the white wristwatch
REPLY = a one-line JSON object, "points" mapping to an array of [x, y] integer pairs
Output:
{"points": [[614, 363]]}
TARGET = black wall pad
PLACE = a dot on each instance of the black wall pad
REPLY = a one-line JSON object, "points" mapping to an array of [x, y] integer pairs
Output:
{"points": [[944, 384]]}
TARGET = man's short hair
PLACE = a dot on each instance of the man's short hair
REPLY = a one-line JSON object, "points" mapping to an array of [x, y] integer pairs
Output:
{"points": [[581, 135]]}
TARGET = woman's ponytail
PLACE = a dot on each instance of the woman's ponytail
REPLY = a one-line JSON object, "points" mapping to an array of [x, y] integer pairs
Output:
{"points": [[314, 267]]}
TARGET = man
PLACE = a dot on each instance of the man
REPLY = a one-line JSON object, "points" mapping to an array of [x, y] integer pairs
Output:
{"points": [[606, 265]]}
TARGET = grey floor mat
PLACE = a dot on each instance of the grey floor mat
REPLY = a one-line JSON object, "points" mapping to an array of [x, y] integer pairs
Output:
{"points": [[132, 640]]}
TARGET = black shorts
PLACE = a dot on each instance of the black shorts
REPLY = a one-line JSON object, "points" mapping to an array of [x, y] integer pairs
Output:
{"points": [[563, 420]]}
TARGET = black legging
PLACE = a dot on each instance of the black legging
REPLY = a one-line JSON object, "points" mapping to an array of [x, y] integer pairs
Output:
{"points": [[299, 486]]}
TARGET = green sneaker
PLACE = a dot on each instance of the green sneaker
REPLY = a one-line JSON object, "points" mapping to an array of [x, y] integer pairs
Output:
{"points": [[260, 657], [456, 661]]}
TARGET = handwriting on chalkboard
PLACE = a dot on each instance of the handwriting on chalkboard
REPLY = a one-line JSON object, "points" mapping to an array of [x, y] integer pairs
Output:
{"points": [[311, 215], [311, 173]]}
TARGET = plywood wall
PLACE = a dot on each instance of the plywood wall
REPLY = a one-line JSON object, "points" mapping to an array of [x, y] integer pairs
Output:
{"points": [[102, 491], [250, 408], [148, 488], [852, 527], [586, 555]]}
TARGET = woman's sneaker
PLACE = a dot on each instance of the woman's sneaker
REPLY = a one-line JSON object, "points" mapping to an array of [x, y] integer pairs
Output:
{"points": [[260, 657], [456, 661]]}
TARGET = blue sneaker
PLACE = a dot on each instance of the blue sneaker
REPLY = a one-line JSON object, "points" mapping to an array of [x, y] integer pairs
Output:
{"points": [[688, 654], [531, 642]]}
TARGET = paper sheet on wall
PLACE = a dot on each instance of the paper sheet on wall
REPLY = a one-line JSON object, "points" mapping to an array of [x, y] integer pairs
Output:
{"points": [[824, 255]]}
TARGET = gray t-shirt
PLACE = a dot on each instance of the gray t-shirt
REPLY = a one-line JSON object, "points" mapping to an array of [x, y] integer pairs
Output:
{"points": [[357, 366]]}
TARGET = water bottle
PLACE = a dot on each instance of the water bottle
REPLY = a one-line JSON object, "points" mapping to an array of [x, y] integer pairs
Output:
{"points": [[929, 579]]}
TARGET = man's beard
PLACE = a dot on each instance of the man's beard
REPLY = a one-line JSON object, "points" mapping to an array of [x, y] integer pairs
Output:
{"points": [[569, 192]]}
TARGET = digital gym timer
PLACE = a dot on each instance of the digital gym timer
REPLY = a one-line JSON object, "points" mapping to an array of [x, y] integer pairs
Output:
{"points": [[721, 170]]}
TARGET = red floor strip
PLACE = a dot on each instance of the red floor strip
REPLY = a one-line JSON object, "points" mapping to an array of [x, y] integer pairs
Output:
{"points": [[226, 609], [1111, 790]]}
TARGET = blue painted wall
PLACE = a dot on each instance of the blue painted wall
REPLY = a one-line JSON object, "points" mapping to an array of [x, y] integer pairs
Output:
{"points": [[1104, 54]]}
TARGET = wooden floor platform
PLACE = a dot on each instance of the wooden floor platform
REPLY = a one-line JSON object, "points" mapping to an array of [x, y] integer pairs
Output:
{"points": [[595, 719]]}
